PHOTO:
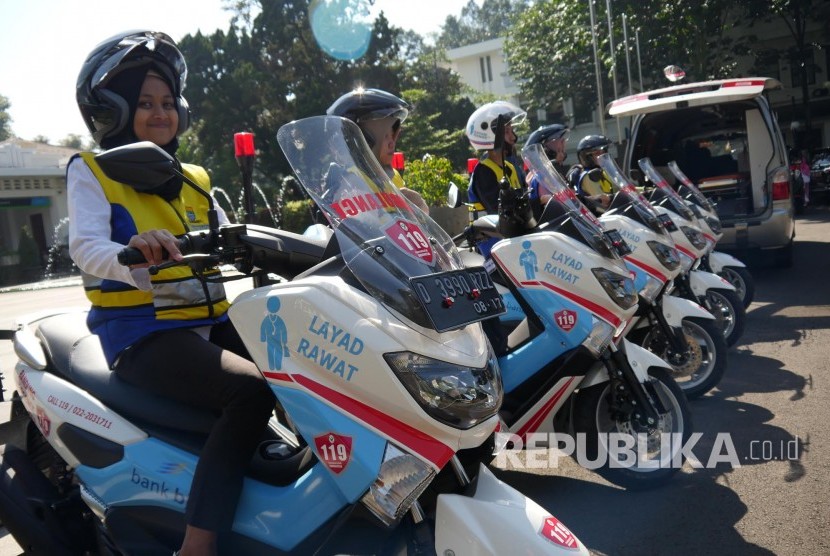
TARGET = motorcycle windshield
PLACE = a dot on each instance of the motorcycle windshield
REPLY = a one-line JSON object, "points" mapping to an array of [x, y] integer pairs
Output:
{"points": [[626, 194], [697, 195], [396, 251], [588, 225], [676, 202]]}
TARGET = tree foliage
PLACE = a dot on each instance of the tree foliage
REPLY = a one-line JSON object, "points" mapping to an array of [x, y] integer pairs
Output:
{"points": [[258, 77], [550, 46], [5, 119], [491, 20]]}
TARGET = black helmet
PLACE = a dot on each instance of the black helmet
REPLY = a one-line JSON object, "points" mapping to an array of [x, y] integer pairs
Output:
{"points": [[361, 105], [105, 112], [589, 144], [546, 133]]}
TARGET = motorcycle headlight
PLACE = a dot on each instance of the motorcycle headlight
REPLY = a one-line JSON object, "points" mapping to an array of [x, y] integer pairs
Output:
{"points": [[714, 224], [686, 262], [618, 287], [668, 256], [697, 238], [651, 289], [599, 338], [401, 480], [458, 396]]}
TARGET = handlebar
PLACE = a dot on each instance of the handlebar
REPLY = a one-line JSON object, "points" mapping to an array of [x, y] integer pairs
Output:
{"points": [[246, 246]]}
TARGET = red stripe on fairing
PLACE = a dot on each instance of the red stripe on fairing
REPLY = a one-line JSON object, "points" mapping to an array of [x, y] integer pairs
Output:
{"points": [[710, 238], [595, 308], [284, 377], [534, 422], [424, 445], [648, 268], [691, 254]]}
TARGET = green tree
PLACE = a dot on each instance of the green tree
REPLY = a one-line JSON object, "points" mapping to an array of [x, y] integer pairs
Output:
{"points": [[550, 46], [797, 15], [5, 119], [491, 20], [75, 141], [436, 125], [262, 75]]}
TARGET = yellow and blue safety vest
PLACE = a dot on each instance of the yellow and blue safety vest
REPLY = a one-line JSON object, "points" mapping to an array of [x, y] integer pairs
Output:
{"points": [[122, 314]]}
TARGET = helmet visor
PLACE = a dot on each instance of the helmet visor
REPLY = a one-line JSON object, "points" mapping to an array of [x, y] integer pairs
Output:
{"points": [[396, 112]]}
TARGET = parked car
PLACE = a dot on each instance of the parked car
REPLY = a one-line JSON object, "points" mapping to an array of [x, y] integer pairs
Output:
{"points": [[820, 174], [725, 137]]}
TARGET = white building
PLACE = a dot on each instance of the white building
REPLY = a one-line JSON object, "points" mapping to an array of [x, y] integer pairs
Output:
{"points": [[482, 66], [32, 193]]}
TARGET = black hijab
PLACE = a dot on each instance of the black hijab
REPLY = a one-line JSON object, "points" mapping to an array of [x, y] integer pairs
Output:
{"points": [[127, 85]]}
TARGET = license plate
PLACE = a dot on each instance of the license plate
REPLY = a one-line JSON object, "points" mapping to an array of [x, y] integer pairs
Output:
{"points": [[620, 245], [458, 297]]}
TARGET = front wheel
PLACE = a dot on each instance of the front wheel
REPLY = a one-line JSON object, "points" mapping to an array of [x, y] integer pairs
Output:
{"points": [[625, 453], [742, 280], [701, 366], [729, 313]]}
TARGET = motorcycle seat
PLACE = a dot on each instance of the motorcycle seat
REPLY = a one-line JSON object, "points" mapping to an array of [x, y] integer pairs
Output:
{"points": [[78, 357]]}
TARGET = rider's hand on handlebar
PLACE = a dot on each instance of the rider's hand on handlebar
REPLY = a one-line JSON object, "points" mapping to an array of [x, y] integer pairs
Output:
{"points": [[156, 246]]}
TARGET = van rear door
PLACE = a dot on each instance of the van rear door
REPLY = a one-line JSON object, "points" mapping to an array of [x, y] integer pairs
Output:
{"points": [[692, 94]]}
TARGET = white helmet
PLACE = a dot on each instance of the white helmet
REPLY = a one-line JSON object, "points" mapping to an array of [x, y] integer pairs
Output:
{"points": [[482, 123]]}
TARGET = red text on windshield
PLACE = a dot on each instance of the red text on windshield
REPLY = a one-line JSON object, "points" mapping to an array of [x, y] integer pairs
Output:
{"points": [[368, 202]]}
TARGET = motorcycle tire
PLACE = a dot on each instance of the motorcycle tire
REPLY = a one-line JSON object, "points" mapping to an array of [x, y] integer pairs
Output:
{"points": [[592, 417], [733, 314], [708, 336], [742, 280]]}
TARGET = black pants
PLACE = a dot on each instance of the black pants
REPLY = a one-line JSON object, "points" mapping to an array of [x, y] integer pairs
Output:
{"points": [[216, 374]]}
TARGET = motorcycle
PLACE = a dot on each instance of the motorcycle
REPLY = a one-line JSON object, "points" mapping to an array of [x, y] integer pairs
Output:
{"points": [[719, 296], [722, 264], [568, 294], [678, 330], [705, 288], [384, 375]]}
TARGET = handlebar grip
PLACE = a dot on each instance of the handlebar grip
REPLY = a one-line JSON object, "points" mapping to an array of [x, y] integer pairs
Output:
{"points": [[130, 256]]}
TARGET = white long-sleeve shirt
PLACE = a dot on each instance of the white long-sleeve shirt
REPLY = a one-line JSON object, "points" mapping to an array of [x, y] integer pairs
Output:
{"points": [[90, 245]]}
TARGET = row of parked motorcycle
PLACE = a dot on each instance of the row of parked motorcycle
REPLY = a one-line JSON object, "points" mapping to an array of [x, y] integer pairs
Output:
{"points": [[409, 361]]}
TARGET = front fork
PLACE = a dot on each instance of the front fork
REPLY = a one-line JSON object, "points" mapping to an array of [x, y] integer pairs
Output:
{"points": [[631, 399], [676, 338]]}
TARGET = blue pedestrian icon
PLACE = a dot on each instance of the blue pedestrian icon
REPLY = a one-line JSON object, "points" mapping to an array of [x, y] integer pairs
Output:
{"points": [[274, 334], [528, 261]]}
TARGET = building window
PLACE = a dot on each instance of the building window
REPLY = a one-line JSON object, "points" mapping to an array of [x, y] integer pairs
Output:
{"points": [[486, 69], [809, 65]]}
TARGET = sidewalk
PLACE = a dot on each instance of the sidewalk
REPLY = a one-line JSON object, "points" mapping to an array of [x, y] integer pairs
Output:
{"points": [[44, 284]]}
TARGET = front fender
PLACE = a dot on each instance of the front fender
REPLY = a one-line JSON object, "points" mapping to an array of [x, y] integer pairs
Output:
{"points": [[498, 519], [641, 360], [718, 261], [701, 281], [675, 309]]}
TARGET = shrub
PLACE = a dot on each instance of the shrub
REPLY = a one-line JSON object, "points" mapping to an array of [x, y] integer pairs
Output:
{"points": [[431, 177]]}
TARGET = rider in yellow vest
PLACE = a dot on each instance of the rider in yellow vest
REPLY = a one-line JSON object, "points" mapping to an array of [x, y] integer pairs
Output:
{"points": [[167, 333], [488, 174], [591, 184], [492, 169], [380, 116]]}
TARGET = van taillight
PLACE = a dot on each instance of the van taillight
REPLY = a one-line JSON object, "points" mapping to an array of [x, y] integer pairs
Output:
{"points": [[780, 185]]}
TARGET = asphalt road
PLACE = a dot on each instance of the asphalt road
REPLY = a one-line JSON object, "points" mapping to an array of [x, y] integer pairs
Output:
{"points": [[772, 408]]}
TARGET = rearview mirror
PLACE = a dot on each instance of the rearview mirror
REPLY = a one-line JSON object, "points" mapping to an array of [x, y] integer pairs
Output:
{"points": [[452, 196], [143, 165]]}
